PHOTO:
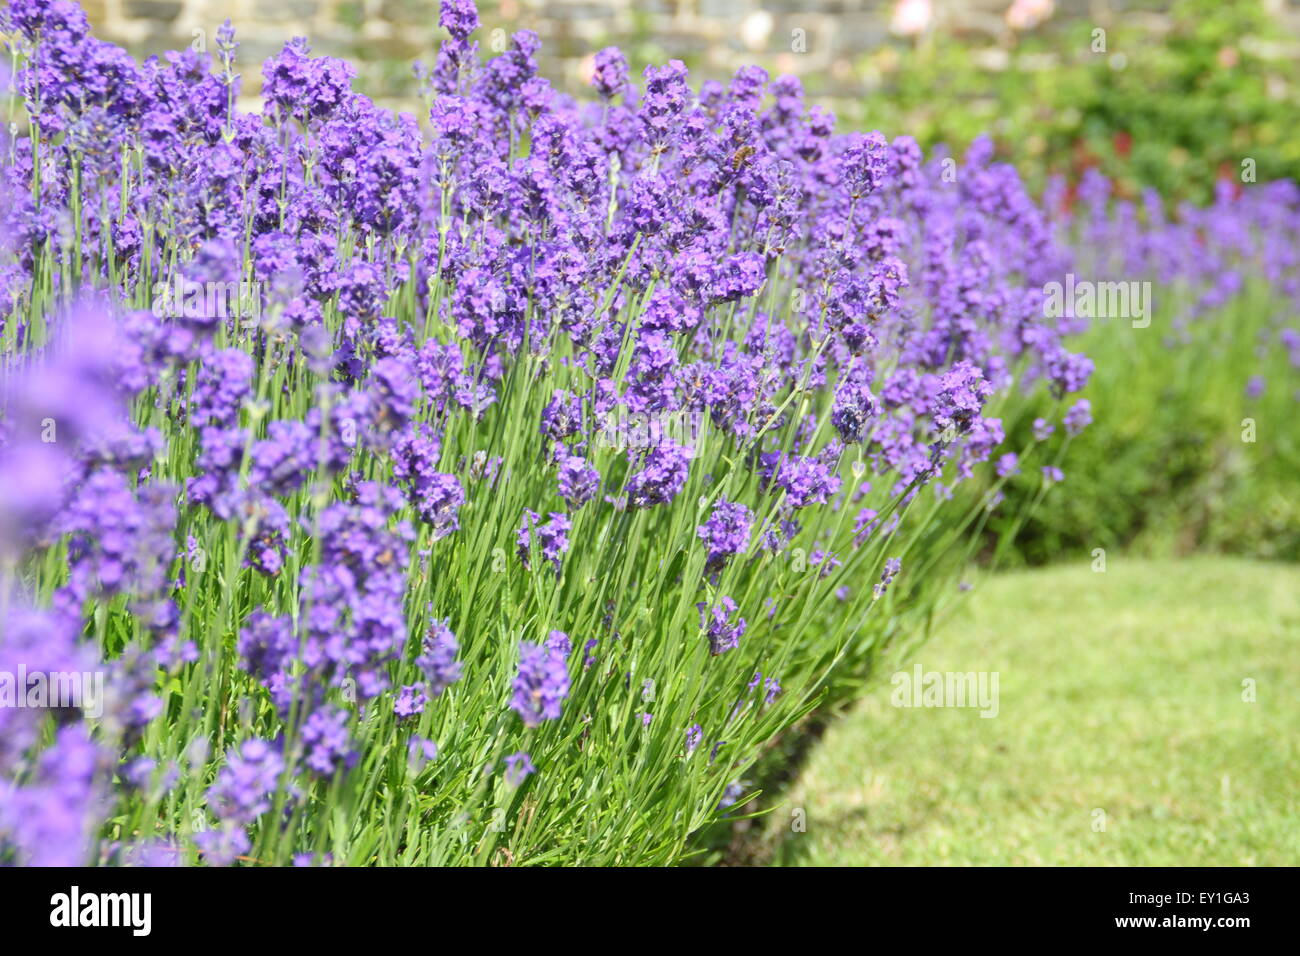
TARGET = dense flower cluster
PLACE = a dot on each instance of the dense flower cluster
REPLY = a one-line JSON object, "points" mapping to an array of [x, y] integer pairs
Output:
{"points": [[242, 793], [727, 532], [534, 364], [1208, 255]]}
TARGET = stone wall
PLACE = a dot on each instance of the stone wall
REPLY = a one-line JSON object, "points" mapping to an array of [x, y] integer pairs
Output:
{"points": [[822, 41]]}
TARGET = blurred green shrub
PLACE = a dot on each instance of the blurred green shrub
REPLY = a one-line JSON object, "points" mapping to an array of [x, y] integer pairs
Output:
{"points": [[1181, 456], [1175, 110]]}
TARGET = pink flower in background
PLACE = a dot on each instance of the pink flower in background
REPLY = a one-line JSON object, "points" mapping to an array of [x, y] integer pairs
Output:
{"points": [[1027, 14], [912, 17]]}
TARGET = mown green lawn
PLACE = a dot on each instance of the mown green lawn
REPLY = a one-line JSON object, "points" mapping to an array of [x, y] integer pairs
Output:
{"points": [[1120, 704]]}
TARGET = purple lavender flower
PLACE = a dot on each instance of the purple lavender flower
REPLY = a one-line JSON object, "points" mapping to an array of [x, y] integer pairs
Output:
{"points": [[1078, 417], [892, 567], [853, 409], [559, 642], [863, 164], [578, 481], [662, 475], [437, 660], [458, 17], [962, 393], [420, 752], [284, 459], [306, 88], [267, 647], [541, 685], [609, 73], [224, 383], [120, 543], [653, 383], [694, 736], [737, 277], [726, 532], [666, 96], [562, 416], [327, 742], [519, 766], [409, 702], [1068, 372], [772, 690], [241, 794], [806, 481], [716, 620], [436, 497], [552, 537], [50, 822]]}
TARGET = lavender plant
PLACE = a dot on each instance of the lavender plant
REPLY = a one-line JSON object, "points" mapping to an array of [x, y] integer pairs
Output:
{"points": [[491, 489], [1191, 317]]}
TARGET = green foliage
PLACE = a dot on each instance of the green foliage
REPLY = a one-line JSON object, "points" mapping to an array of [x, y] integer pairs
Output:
{"points": [[1173, 110]]}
